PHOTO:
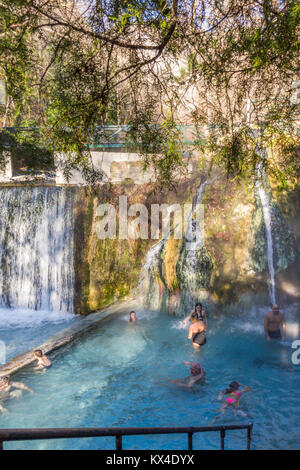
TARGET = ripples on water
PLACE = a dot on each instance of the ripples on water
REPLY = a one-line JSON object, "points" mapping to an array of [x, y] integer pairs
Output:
{"points": [[118, 376], [24, 329]]}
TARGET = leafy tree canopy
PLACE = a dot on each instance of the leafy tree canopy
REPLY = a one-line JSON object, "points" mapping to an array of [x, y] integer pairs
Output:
{"points": [[227, 68]]}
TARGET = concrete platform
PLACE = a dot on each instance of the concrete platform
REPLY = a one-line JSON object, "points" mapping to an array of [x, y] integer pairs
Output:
{"points": [[66, 336]]}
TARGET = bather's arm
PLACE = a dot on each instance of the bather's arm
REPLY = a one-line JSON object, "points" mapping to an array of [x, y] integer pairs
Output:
{"points": [[21, 386], [246, 389], [266, 321], [283, 326], [3, 410], [184, 322], [205, 318]]}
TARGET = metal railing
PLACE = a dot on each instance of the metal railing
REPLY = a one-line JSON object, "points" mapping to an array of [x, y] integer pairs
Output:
{"points": [[116, 136], [7, 435]]}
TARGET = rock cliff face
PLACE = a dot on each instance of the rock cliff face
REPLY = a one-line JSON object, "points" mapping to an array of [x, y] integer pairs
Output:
{"points": [[231, 266]]}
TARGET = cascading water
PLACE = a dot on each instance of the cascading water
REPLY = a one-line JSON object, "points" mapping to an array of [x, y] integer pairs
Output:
{"points": [[192, 232], [147, 287], [268, 226], [194, 265], [36, 248], [259, 184]]}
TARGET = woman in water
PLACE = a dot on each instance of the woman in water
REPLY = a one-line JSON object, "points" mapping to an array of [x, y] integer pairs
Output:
{"points": [[233, 398], [201, 314], [132, 317], [42, 360], [197, 332]]}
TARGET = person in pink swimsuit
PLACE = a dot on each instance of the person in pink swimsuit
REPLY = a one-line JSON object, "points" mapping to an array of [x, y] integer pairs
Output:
{"points": [[233, 398]]}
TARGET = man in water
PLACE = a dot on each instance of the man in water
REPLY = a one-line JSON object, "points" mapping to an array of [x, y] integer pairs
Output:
{"points": [[197, 332], [273, 320], [6, 390], [197, 375]]}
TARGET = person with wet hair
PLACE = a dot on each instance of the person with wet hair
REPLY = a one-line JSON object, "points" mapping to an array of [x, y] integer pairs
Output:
{"points": [[42, 359], [132, 317], [197, 332], [197, 375], [274, 319], [233, 399], [6, 390], [201, 314]]}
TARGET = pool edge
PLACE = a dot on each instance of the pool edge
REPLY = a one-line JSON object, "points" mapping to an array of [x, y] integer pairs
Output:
{"points": [[63, 337]]}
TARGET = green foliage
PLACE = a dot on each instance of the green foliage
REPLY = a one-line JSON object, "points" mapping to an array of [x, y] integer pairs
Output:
{"points": [[25, 151], [138, 62], [162, 148]]}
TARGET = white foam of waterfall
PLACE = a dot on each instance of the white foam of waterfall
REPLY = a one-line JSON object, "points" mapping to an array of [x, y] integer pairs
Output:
{"points": [[193, 233], [147, 282], [36, 248], [268, 228], [147, 287]]}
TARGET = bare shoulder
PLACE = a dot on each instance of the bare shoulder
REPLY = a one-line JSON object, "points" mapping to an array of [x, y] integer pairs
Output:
{"points": [[16, 384]]}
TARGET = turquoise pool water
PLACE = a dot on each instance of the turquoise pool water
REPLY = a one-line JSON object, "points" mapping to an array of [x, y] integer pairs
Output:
{"points": [[24, 329], [118, 376]]}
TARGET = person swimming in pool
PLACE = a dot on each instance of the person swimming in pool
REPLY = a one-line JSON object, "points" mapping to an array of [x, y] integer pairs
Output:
{"points": [[43, 361], [132, 317], [233, 398], [201, 314], [197, 332], [197, 375], [6, 390], [273, 320]]}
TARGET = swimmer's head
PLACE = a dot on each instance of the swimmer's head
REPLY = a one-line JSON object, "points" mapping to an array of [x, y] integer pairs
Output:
{"points": [[196, 365], [275, 308], [132, 316], [38, 353], [232, 387], [4, 380], [198, 306]]}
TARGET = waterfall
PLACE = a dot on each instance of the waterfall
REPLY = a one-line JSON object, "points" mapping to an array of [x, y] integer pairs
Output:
{"points": [[268, 229], [194, 265], [36, 248], [147, 286], [267, 218], [192, 231]]}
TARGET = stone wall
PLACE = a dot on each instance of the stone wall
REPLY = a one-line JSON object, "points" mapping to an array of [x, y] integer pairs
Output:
{"points": [[116, 166], [226, 270]]}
